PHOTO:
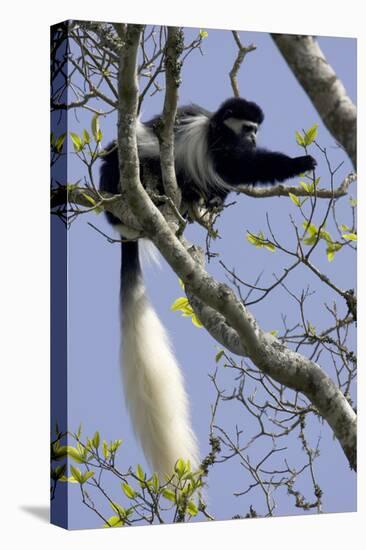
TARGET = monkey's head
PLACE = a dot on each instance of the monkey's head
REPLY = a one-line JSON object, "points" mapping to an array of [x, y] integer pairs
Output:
{"points": [[238, 120]]}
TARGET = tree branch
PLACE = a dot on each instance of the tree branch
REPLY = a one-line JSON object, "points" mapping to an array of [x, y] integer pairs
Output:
{"points": [[325, 90], [281, 190], [242, 52], [66, 197], [174, 48], [214, 322]]}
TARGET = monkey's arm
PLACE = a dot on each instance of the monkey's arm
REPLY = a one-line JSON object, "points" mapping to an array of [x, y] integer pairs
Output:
{"points": [[261, 166]]}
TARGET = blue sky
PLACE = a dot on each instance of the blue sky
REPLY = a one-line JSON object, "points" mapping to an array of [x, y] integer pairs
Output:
{"points": [[95, 395]]}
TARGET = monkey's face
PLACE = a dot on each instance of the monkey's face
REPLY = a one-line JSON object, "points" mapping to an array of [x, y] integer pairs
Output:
{"points": [[245, 131], [236, 122]]}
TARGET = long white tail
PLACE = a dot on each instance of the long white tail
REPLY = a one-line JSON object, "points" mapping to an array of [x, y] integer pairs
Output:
{"points": [[153, 383]]}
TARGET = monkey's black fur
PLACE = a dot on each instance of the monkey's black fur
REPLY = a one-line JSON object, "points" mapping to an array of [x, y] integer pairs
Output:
{"points": [[215, 152]]}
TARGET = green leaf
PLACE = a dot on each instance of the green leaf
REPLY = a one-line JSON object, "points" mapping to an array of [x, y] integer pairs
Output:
{"points": [[75, 454], [253, 239], [197, 323], [310, 228], [114, 521], [313, 231], [60, 142], [87, 475], [309, 187], [96, 440], [180, 467], [273, 332], [331, 250], [180, 304], [76, 474], [344, 228], [349, 236], [58, 451], [155, 482], [310, 135], [309, 241], [203, 33], [306, 186], [299, 139], [119, 509], [311, 329], [89, 199], [58, 472], [95, 127], [294, 199], [186, 313], [86, 137], [189, 487], [326, 236], [140, 473], [69, 479], [89, 445], [105, 450], [128, 490], [192, 508], [353, 202], [115, 445], [168, 494], [260, 241], [77, 142], [219, 355], [270, 246], [70, 187]]}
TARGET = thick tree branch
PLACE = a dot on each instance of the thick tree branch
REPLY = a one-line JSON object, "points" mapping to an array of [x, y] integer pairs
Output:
{"points": [[267, 353], [214, 322], [127, 113], [325, 90], [174, 48]]}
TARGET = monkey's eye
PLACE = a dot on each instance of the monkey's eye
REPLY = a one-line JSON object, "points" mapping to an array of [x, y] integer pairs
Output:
{"points": [[228, 113], [248, 129]]}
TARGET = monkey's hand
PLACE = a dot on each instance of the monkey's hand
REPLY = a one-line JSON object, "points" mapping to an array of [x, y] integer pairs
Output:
{"points": [[303, 164]]}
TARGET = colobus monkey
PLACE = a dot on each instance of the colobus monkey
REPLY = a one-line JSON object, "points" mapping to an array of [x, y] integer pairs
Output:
{"points": [[214, 152]]}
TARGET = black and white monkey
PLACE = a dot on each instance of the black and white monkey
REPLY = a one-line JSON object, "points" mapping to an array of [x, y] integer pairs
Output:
{"points": [[214, 152]]}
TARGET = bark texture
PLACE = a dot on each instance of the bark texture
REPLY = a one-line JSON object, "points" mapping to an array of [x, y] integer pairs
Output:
{"points": [[327, 93]]}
